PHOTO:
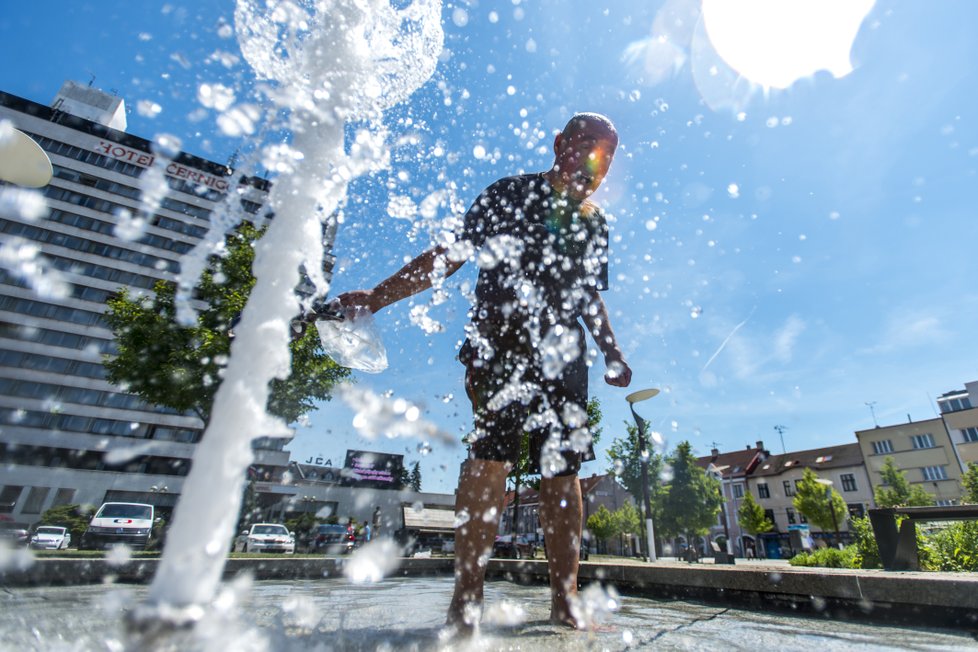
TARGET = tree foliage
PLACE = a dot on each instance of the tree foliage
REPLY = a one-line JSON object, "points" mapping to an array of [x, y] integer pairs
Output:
{"points": [[969, 484], [625, 456], [691, 501], [74, 517], [819, 503], [896, 490], [601, 524], [415, 478], [180, 367], [751, 516]]}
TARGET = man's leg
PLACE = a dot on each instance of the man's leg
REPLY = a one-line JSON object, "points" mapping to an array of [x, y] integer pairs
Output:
{"points": [[561, 513], [481, 490]]}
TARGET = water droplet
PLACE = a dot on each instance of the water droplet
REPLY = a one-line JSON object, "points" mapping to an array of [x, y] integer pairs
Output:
{"points": [[424, 448], [733, 190], [695, 312]]}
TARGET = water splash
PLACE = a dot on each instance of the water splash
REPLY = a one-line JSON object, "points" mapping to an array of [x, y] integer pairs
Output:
{"points": [[330, 62]]}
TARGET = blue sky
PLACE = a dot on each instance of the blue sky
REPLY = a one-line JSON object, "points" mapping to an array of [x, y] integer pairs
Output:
{"points": [[779, 258]]}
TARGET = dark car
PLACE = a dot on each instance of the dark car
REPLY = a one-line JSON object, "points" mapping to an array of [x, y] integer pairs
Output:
{"points": [[520, 548], [333, 539], [15, 534]]}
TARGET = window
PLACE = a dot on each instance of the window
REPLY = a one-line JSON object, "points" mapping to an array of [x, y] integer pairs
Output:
{"points": [[763, 491], [9, 497], [848, 482], [769, 514], [935, 472], [738, 490], [882, 446], [970, 434], [63, 497], [947, 503], [856, 510], [35, 500], [954, 404], [791, 516], [789, 490], [923, 441]]}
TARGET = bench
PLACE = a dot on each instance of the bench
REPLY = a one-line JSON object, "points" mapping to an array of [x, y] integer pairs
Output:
{"points": [[898, 550]]}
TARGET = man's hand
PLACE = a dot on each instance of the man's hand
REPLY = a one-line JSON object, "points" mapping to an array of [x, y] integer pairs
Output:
{"points": [[360, 298], [619, 373]]}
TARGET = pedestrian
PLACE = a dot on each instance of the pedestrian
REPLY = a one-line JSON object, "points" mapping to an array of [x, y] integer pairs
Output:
{"points": [[366, 532], [542, 251]]}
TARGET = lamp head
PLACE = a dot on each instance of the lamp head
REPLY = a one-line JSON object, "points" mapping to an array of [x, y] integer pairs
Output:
{"points": [[641, 395]]}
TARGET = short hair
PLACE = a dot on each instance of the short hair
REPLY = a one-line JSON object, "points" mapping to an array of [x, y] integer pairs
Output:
{"points": [[579, 119]]}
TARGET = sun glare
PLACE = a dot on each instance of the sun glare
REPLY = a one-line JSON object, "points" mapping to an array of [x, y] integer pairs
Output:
{"points": [[774, 43]]}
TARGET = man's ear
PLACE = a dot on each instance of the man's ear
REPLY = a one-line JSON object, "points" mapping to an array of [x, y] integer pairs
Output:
{"points": [[557, 140]]}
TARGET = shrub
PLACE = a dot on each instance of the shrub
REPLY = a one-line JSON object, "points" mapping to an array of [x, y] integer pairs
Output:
{"points": [[867, 554], [955, 548], [827, 558]]}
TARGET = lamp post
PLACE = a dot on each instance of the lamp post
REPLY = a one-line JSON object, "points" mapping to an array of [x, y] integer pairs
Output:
{"points": [[633, 398], [828, 497]]}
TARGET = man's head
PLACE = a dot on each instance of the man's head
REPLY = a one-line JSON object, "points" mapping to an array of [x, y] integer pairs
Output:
{"points": [[583, 152]]}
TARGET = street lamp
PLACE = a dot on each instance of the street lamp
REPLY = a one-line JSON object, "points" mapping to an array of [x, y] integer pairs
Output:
{"points": [[23, 162], [828, 497], [633, 398]]}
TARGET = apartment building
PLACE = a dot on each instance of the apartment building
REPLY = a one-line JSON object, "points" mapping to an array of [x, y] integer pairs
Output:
{"points": [[732, 469], [923, 450], [774, 483], [959, 409], [67, 435]]}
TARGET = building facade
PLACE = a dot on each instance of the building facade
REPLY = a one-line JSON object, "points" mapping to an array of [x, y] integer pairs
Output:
{"points": [[732, 469], [923, 450], [67, 435], [959, 409], [773, 484]]}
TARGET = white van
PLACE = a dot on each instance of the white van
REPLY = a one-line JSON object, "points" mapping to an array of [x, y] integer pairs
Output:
{"points": [[128, 523]]}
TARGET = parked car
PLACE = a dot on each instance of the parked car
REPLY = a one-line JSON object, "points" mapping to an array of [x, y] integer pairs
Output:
{"points": [[51, 537], [114, 523], [333, 539], [265, 537], [505, 546], [14, 534]]}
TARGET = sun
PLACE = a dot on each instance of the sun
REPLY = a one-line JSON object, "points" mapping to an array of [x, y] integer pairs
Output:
{"points": [[774, 43]]}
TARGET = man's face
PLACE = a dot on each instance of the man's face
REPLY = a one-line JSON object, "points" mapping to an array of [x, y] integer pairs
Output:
{"points": [[582, 158]]}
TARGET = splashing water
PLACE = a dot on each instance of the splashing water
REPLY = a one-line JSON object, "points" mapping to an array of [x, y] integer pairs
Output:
{"points": [[329, 62]]}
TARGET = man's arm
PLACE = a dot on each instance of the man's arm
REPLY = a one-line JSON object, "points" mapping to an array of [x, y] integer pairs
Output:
{"points": [[411, 279], [598, 324]]}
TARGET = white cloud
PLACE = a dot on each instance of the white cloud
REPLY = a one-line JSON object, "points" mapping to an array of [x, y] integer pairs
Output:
{"points": [[905, 330]]}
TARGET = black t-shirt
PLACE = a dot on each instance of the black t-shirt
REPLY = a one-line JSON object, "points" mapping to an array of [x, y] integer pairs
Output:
{"points": [[540, 255]]}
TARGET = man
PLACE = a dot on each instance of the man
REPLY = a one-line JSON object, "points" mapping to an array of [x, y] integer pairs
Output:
{"points": [[541, 247]]}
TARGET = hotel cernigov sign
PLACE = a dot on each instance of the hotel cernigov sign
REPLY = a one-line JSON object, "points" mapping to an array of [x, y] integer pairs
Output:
{"points": [[173, 169], [377, 470]]}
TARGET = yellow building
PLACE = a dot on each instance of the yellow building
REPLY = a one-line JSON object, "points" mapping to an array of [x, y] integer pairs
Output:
{"points": [[922, 449], [959, 410]]}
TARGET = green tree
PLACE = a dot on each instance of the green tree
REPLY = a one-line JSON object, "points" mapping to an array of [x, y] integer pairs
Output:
{"points": [[628, 520], [752, 518], [691, 501], [896, 490], [601, 524], [625, 456], [969, 484], [819, 503], [415, 479], [74, 517], [180, 367]]}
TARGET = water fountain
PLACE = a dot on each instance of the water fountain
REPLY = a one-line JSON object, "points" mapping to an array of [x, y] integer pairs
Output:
{"points": [[330, 64]]}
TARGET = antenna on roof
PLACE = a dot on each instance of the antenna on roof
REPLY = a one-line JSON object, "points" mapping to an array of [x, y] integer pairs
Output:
{"points": [[781, 430], [870, 405]]}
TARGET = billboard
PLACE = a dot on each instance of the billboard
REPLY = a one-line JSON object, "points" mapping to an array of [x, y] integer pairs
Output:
{"points": [[377, 470]]}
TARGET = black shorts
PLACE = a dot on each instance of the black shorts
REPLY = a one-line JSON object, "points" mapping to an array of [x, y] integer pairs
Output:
{"points": [[515, 404]]}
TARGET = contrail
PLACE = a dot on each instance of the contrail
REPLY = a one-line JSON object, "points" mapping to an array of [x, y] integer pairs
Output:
{"points": [[727, 339]]}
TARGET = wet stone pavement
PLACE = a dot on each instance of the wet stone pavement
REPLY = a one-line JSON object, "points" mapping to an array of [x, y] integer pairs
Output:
{"points": [[407, 614]]}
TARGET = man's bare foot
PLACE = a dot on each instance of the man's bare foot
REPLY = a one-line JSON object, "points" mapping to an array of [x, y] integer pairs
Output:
{"points": [[463, 616], [561, 615]]}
